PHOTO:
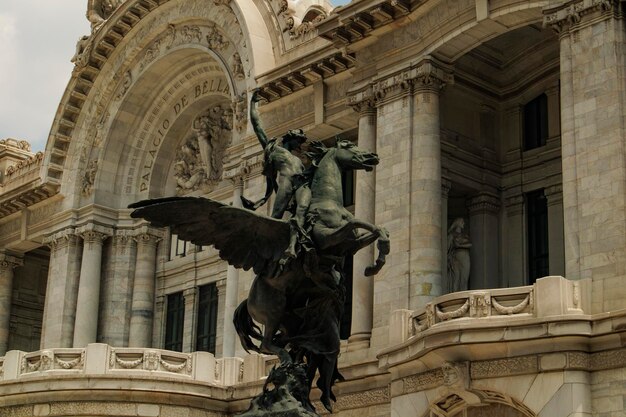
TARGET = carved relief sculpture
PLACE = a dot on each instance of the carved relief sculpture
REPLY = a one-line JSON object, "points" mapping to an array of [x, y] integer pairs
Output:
{"points": [[83, 51], [215, 39], [98, 11], [240, 112], [89, 178], [458, 256], [237, 67], [213, 129], [188, 170]]}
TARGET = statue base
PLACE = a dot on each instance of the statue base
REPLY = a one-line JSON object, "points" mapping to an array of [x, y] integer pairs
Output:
{"points": [[285, 394]]}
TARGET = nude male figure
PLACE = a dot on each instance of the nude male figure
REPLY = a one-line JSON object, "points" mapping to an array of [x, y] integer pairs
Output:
{"points": [[285, 175]]}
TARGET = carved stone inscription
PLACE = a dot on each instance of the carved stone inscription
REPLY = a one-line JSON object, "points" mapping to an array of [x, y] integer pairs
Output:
{"points": [[197, 92]]}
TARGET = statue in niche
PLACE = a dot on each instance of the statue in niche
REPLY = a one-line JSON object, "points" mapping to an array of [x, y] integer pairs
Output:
{"points": [[213, 129], [98, 11], [458, 256]]}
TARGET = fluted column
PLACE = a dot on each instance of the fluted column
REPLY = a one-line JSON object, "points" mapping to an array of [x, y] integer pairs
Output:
{"points": [[88, 301], [483, 231], [364, 209], [230, 340], [117, 287], [7, 265], [425, 278], [59, 311], [142, 307]]}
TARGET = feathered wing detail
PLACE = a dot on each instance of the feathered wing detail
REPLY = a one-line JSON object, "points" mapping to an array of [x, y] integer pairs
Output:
{"points": [[245, 239]]}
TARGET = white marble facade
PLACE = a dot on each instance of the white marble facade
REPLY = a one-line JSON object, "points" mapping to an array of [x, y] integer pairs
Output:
{"points": [[443, 91]]}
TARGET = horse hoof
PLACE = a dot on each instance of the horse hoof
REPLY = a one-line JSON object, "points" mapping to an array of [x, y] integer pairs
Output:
{"points": [[326, 403]]}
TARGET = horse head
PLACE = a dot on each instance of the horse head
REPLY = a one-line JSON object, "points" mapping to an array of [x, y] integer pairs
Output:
{"points": [[349, 156]]}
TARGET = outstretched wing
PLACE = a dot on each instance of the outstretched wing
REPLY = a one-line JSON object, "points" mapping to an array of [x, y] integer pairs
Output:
{"points": [[245, 239]]}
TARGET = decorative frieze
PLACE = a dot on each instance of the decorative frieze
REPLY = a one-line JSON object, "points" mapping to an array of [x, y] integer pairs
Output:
{"points": [[484, 202], [422, 381], [504, 367]]}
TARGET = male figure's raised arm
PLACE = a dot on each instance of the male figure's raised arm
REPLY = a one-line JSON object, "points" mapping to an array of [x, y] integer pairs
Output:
{"points": [[256, 121]]}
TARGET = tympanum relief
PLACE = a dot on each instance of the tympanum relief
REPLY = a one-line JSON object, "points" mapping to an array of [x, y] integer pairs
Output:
{"points": [[199, 160]]}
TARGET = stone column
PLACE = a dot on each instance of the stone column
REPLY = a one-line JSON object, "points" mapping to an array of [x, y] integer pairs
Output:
{"points": [[117, 288], [88, 302], [364, 209], [483, 231], [189, 325], [515, 267], [59, 311], [7, 265], [592, 55], [446, 185], [556, 253], [425, 173], [142, 307], [230, 339]]}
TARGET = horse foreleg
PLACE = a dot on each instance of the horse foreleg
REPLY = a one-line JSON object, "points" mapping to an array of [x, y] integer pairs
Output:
{"points": [[268, 346]]}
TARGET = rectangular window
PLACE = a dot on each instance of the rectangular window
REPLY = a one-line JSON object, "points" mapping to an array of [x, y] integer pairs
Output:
{"points": [[536, 123], [206, 330], [174, 322], [537, 211], [178, 247]]}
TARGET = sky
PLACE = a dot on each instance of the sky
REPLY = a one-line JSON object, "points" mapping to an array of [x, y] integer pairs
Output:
{"points": [[37, 40]]}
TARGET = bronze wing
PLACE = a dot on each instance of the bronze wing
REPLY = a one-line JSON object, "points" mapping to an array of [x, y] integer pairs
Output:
{"points": [[244, 239]]}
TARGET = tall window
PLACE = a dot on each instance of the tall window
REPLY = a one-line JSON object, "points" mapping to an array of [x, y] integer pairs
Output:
{"points": [[206, 330], [178, 247], [536, 123], [174, 322], [537, 208]]}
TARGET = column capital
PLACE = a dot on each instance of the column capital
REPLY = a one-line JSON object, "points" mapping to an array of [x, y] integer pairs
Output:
{"points": [[446, 186], [483, 202], [190, 293], [515, 204], [9, 262], [221, 286], [61, 238], [554, 194], [147, 239], [92, 236], [428, 75], [573, 15], [363, 101]]}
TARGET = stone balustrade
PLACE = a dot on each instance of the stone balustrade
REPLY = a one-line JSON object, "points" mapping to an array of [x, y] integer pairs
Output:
{"points": [[549, 296], [102, 359]]}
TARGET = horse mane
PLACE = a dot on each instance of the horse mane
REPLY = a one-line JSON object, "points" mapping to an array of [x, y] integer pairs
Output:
{"points": [[317, 151]]}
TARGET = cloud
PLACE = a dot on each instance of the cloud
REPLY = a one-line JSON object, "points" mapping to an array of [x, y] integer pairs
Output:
{"points": [[37, 40]]}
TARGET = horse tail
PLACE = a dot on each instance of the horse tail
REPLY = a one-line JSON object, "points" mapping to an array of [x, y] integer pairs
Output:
{"points": [[246, 327]]}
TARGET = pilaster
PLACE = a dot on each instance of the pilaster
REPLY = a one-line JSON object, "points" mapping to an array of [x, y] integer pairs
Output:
{"points": [[483, 210], [142, 307], [229, 334], [446, 186], [88, 299], [593, 102], [221, 316], [62, 289], [408, 187], [364, 209], [554, 195], [7, 265], [514, 265], [189, 326]]}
